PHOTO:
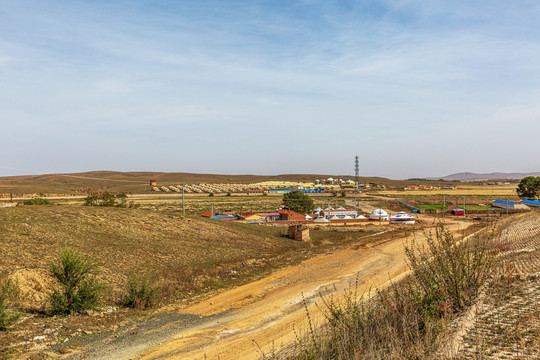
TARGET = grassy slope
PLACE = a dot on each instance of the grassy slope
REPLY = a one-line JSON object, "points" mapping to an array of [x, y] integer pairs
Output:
{"points": [[189, 256], [127, 239]]}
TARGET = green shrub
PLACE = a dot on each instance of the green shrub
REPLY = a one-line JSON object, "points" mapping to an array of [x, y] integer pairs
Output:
{"points": [[79, 287], [108, 200], [211, 194], [8, 292], [228, 194], [36, 201], [142, 293]]}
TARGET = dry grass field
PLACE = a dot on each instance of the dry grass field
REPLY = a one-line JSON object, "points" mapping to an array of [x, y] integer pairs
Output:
{"points": [[127, 240], [461, 190], [188, 256]]}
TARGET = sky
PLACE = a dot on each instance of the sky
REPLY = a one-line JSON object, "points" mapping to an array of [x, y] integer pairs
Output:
{"points": [[415, 88]]}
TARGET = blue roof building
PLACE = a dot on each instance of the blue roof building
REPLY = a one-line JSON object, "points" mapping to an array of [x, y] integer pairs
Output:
{"points": [[503, 204], [532, 203]]}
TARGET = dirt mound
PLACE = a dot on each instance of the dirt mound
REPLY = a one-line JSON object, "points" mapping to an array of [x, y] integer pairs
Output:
{"points": [[34, 285]]}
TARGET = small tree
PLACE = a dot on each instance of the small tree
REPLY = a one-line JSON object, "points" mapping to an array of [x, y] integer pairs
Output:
{"points": [[529, 187], [298, 201], [36, 201], [79, 287], [107, 199]]}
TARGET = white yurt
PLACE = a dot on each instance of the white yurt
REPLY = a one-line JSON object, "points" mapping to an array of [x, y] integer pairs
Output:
{"points": [[321, 220], [347, 217], [402, 218], [361, 217], [379, 214], [334, 218]]}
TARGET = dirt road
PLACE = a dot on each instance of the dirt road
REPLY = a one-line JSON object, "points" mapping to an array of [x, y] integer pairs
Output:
{"points": [[262, 315]]}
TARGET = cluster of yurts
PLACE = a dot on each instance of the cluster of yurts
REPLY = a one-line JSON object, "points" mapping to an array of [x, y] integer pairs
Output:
{"points": [[378, 215]]}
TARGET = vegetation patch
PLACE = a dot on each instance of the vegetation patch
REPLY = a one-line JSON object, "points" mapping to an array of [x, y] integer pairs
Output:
{"points": [[406, 320], [142, 292], [36, 201], [79, 287], [8, 293]]}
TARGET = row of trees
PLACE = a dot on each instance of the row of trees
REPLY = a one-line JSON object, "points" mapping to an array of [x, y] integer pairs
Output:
{"points": [[529, 187]]}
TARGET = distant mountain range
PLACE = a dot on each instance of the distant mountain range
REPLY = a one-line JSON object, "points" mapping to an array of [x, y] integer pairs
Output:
{"points": [[491, 176]]}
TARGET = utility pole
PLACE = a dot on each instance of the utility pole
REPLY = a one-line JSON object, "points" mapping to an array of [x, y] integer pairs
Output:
{"points": [[464, 211], [444, 205], [212, 210], [506, 206], [183, 202]]}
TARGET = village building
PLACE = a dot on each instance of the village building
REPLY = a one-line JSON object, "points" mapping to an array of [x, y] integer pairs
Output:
{"points": [[270, 216], [338, 213], [379, 214], [503, 204], [208, 214], [531, 203], [290, 215], [254, 219]]}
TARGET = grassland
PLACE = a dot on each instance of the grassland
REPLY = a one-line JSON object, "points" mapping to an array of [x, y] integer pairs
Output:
{"points": [[127, 240], [461, 190], [188, 256]]}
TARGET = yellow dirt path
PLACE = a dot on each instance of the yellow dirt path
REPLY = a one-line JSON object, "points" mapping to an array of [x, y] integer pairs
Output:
{"points": [[263, 315]]}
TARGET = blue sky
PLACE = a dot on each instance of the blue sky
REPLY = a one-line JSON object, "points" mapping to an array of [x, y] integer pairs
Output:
{"points": [[416, 88]]}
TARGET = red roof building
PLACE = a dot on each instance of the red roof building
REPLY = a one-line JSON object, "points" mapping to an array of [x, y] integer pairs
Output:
{"points": [[291, 215]]}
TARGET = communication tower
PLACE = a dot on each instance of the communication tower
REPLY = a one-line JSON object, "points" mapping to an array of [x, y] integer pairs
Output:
{"points": [[356, 170]]}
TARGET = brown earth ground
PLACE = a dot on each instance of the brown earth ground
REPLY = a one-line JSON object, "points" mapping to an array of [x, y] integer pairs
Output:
{"points": [[262, 316]]}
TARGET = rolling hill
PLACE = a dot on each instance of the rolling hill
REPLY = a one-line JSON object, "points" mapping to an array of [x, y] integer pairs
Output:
{"points": [[468, 176], [138, 182]]}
